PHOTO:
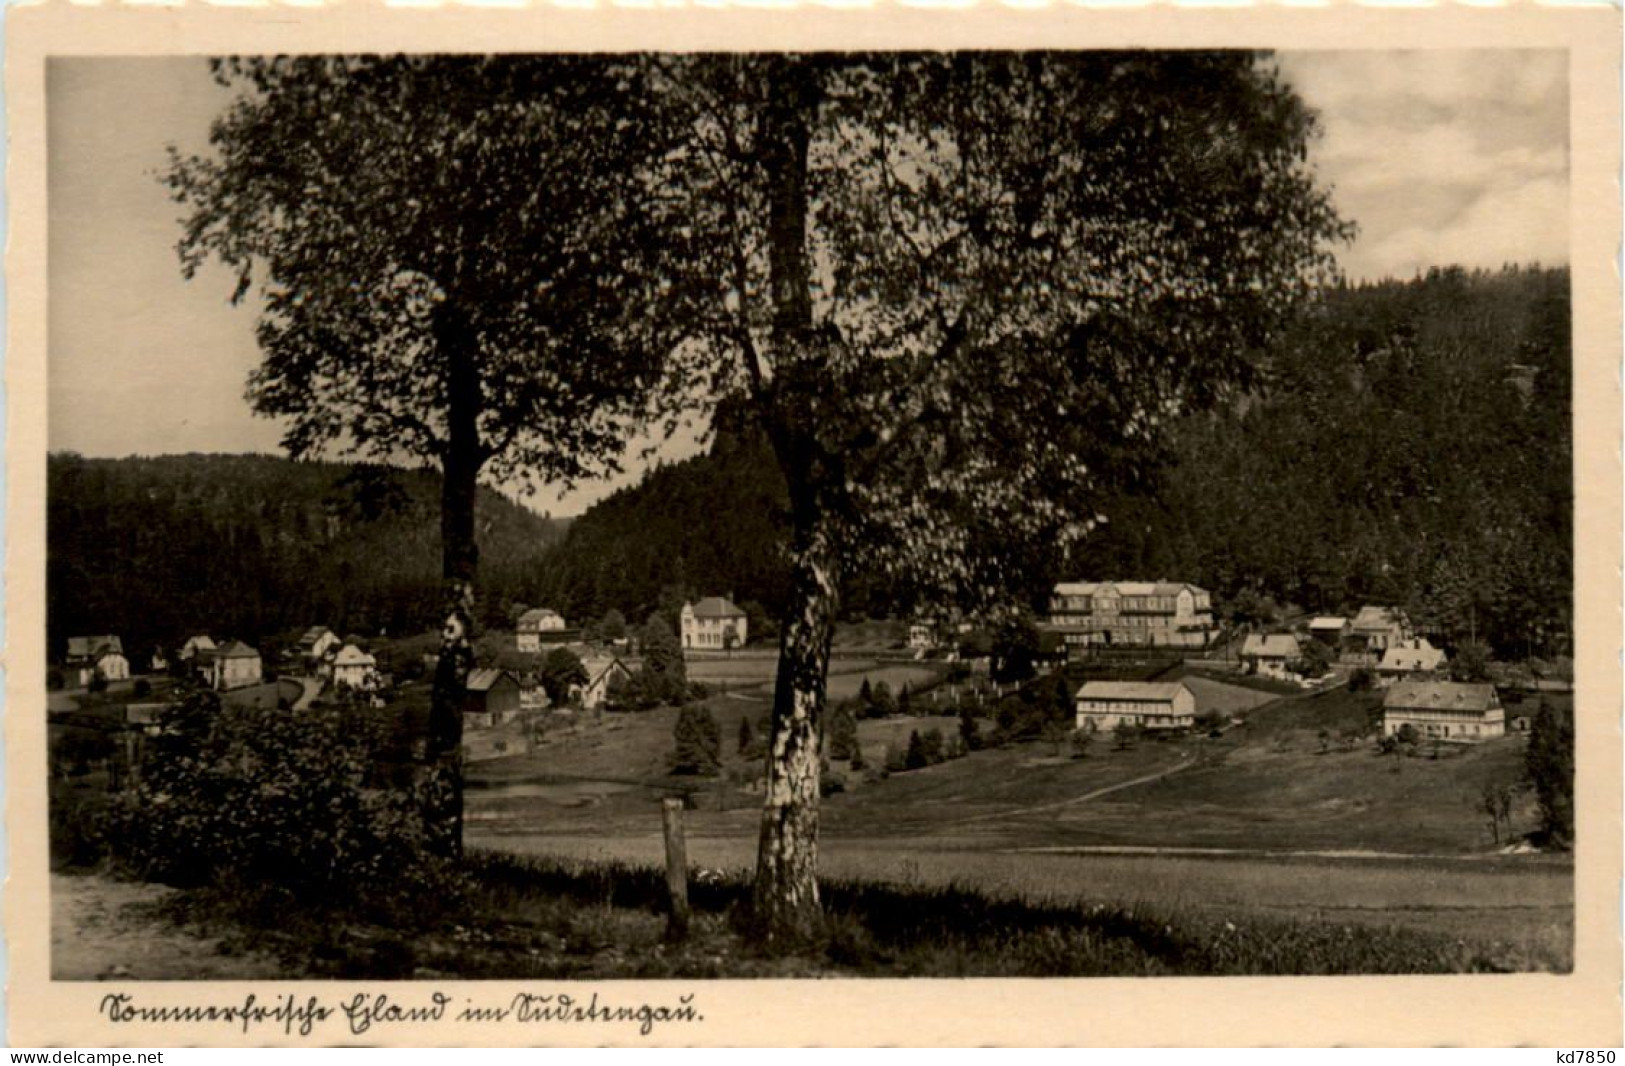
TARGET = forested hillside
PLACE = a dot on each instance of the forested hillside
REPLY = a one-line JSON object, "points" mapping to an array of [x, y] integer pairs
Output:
{"points": [[713, 525], [1409, 443], [155, 549], [1413, 446]]}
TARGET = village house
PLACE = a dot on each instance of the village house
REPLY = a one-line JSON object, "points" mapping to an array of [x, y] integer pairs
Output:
{"points": [[1449, 710], [1329, 630], [315, 644], [493, 698], [1375, 630], [713, 624], [201, 643], [1271, 655], [232, 665], [1170, 614], [1413, 660], [354, 668], [922, 636], [92, 656], [1146, 704], [537, 627], [602, 671]]}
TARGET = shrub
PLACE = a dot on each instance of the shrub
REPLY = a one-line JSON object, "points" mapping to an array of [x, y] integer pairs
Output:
{"points": [[273, 805], [1361, 680], [830, 782], [896, 759]]}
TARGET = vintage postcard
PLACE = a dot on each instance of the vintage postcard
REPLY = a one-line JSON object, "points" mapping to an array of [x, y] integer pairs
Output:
{"points": [[699, 526]]}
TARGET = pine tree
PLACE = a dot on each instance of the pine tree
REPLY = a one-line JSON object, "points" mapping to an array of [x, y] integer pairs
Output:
{"points": [[1549, 764], [697, 741], [843, 731]]}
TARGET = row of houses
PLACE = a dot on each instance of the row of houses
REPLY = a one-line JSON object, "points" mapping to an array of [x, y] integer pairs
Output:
{"points": [[714, 623], [1277, 655], [497, 695], [1447, 710]]}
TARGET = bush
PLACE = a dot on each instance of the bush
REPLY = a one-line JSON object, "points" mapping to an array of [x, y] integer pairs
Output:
{"points": [[829, 783], [896, 759], [273, 805], [1361, 680]]}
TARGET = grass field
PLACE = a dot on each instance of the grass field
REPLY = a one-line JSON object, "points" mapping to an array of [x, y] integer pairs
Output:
{"points": [[1270, 819]]}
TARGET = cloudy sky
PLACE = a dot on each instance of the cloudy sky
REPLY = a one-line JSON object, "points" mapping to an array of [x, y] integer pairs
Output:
{"points": [[1441, 158]]}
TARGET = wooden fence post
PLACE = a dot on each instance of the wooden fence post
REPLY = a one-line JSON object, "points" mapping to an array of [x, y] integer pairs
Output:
{"points": [[676, 869]]}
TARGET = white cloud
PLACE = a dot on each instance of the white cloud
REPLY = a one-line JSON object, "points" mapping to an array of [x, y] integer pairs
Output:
{"points": [[1443, 157]]}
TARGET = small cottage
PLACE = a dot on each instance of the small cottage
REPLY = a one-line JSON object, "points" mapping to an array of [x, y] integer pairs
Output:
{"points": [[538, 627], [355, 668], [233, 665], [1271, 655], [316, 643], [90, 656], [493, 698], [1329, 630], [602, 671], [1414, 659], [1375, 630]]}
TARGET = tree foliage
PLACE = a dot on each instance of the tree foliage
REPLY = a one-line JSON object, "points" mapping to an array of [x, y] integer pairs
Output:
{"points": [[697, 741], [411, 219], [562, 671], [457, 259]]}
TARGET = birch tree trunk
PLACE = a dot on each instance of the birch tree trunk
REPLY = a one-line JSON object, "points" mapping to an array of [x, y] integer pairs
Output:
{"points": [[785, 903], [785, 908]]}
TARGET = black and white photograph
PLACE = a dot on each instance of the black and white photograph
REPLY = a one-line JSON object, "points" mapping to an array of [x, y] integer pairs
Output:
{"points": [[684, 515]]}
